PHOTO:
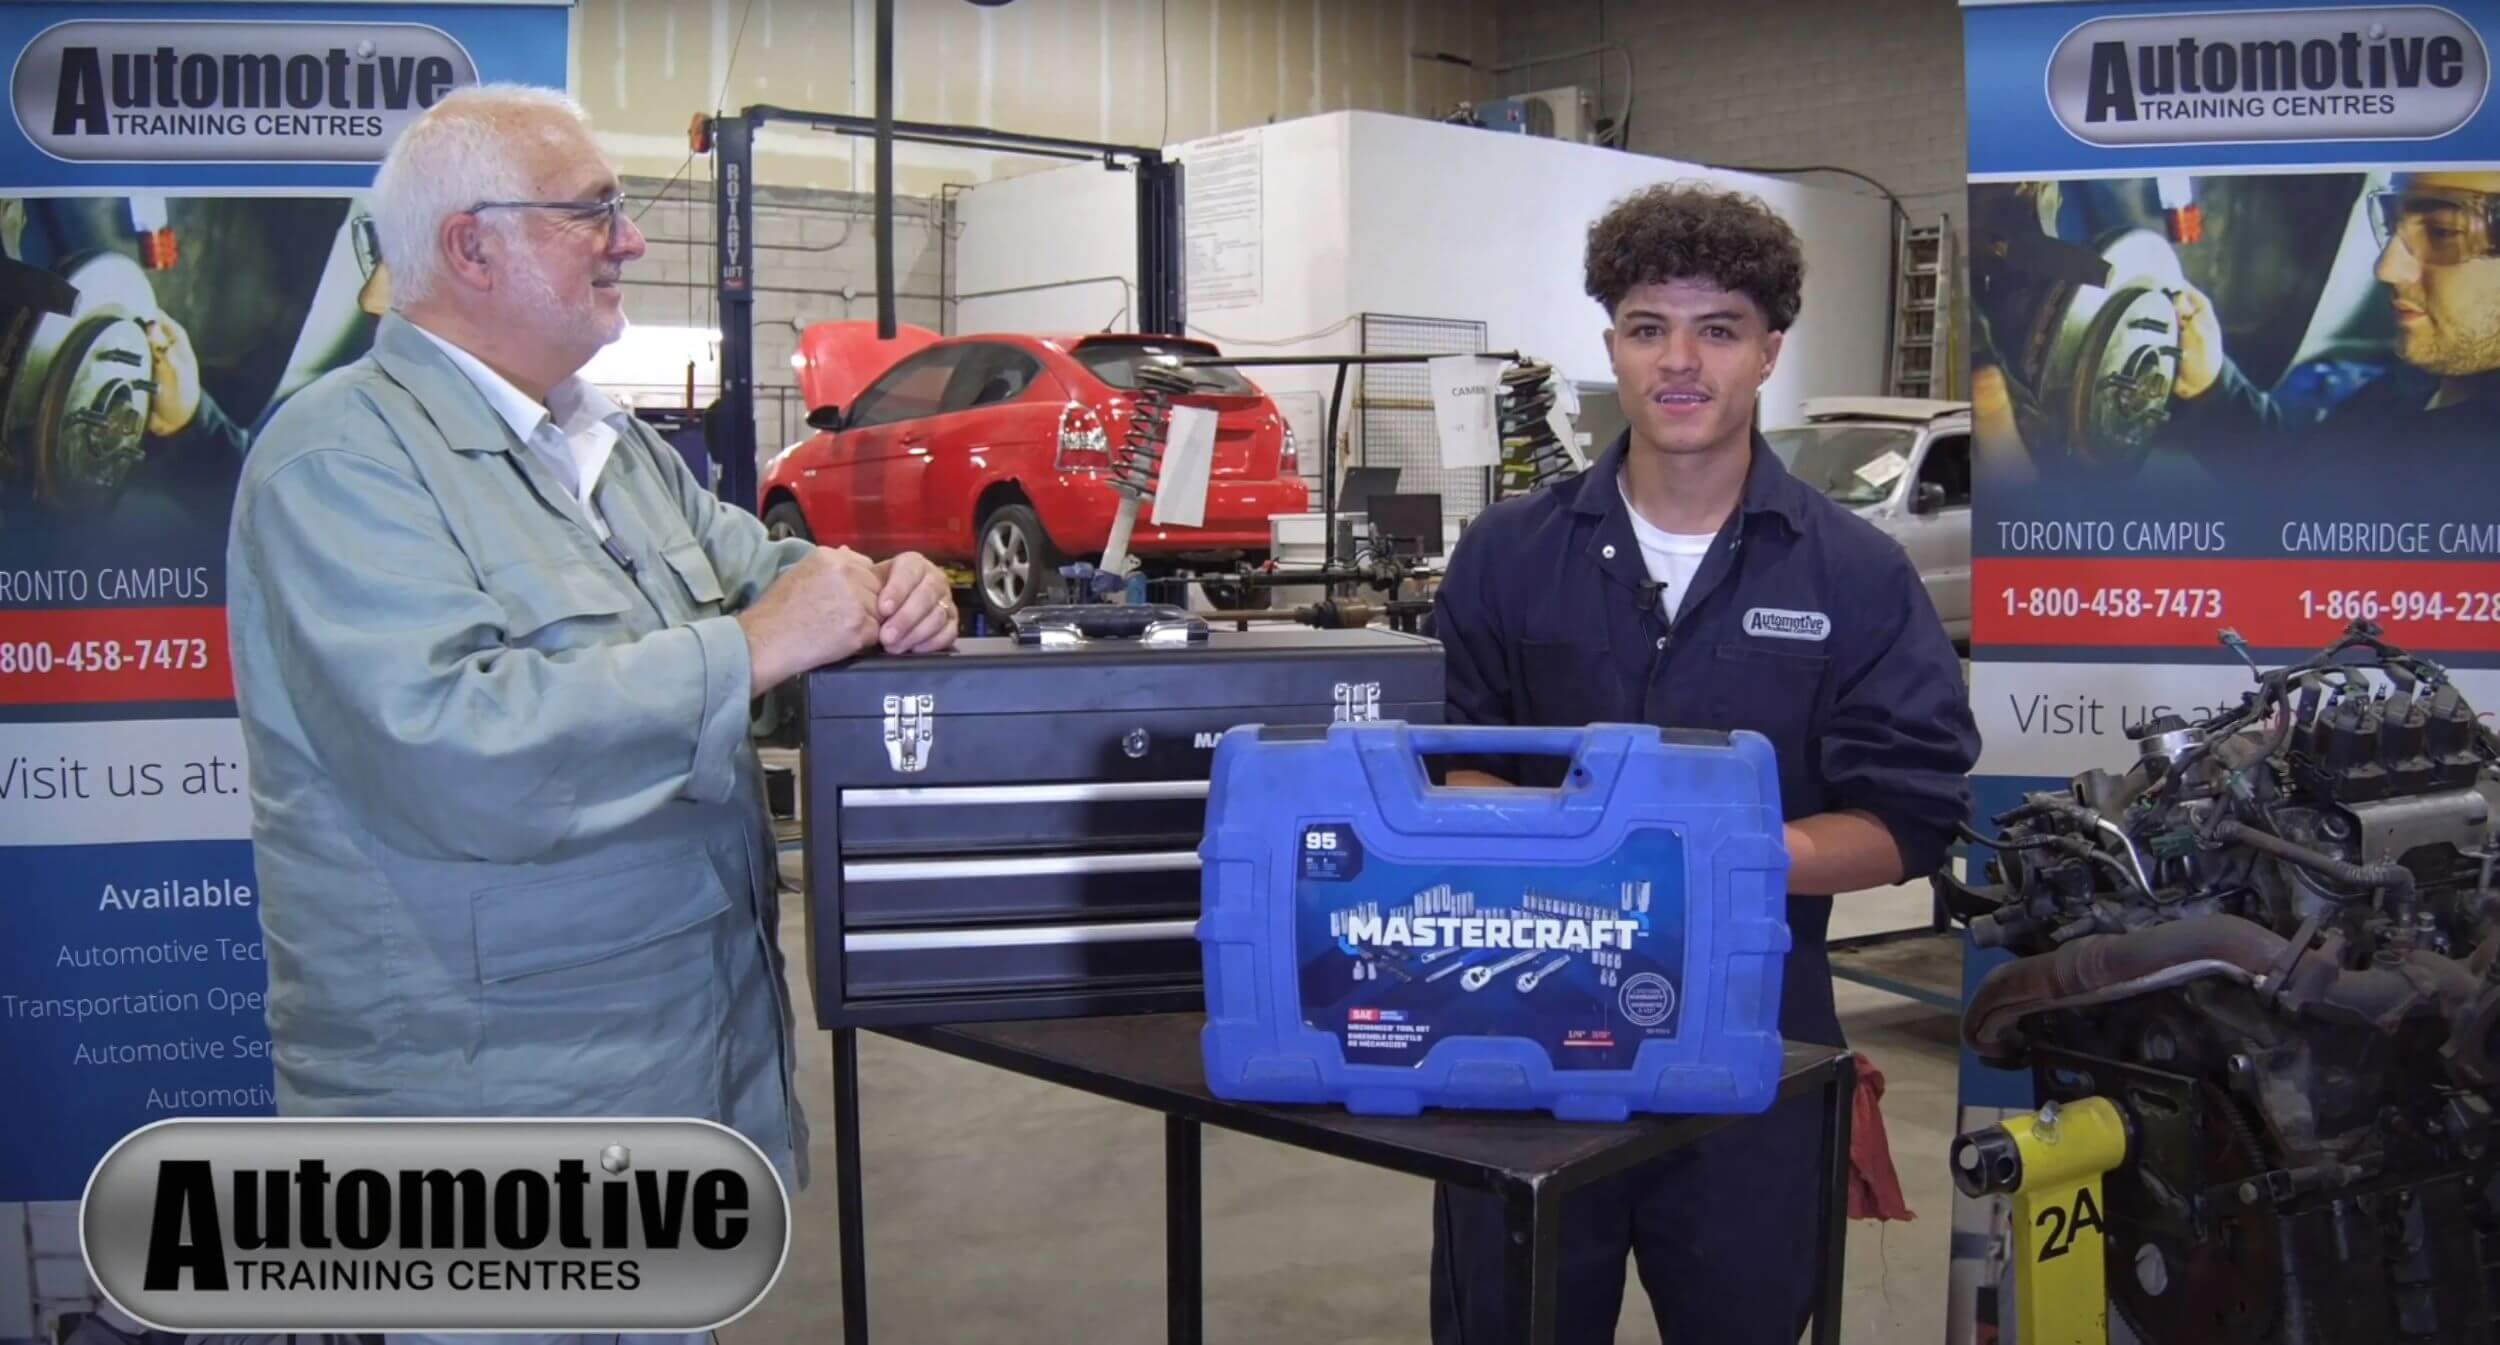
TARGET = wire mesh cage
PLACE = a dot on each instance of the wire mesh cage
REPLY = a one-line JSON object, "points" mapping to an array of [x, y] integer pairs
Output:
{"points": [[1394, 424]]}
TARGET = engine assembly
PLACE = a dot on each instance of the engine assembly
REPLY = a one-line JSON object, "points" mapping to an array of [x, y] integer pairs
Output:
{"points": [[2270, 941]]}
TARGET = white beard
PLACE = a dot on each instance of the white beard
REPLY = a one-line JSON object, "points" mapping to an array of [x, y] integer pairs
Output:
{"points": [[537, 307]]}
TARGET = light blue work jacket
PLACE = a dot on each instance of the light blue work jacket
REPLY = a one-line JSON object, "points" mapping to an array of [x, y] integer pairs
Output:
{"points": [[513, 849]]}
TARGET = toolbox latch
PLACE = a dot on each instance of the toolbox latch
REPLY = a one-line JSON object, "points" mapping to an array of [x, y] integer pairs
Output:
{"points": [[910, 731]]}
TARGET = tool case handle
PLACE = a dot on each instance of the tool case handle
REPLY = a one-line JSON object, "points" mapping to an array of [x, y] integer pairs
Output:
{"points": [[1409, 803], [1495, 740]]}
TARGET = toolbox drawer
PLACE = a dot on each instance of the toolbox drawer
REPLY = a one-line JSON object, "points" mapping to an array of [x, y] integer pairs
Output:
{"points": [[951, 890], [948, 818], [1022, 959]]}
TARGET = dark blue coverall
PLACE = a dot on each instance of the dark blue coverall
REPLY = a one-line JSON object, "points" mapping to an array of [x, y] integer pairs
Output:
{"points": [[1548, 617]]}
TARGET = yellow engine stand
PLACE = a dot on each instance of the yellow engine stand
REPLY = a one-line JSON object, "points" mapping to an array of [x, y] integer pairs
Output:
{"points": [[2051, 1163]]}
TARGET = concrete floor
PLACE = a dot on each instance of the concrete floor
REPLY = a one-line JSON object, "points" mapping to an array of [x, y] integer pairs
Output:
{"points": [[1003, 1209]]}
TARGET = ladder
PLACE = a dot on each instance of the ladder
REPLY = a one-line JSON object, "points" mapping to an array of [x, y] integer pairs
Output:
{"points": [[1922, 311]]}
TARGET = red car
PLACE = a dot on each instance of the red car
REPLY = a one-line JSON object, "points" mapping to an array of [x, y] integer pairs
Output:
{"points": [[993, 453]]}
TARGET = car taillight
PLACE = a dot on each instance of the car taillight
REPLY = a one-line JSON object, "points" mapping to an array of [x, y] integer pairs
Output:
{"points": [[1083, 444], [1289, 462]]}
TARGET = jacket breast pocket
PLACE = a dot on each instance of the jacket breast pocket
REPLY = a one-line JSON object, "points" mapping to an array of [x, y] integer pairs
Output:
{"points": [[694, 571], [1567, 682], [550, 605], [1774, 692], [605, 991]]}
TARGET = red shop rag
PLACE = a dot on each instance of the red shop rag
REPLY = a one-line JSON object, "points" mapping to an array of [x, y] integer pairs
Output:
{"points": [[1874, 1188]]}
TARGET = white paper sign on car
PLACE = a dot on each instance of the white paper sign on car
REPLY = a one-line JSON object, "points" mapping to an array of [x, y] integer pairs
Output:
{"points": [[1462, 406], [1884, 470], [1188, 459]]}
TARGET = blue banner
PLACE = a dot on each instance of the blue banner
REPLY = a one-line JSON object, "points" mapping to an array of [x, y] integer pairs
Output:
{"points": [[2232, 369], [184, 245]]}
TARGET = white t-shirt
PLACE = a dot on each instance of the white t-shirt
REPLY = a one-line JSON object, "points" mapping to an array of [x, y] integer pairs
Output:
{"points": [[1672, 557]]}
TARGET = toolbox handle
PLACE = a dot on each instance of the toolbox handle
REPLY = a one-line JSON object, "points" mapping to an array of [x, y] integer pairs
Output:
{"points": [[1071, 624], [1410, 803]]}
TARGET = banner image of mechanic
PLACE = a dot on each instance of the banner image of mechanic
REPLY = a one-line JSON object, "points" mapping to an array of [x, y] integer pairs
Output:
{"points": [[2234, 302], [183, 247]]}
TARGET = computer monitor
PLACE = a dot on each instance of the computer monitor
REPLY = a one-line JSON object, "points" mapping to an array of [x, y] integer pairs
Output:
{"points": [[1410, 525], [1361, 484]]}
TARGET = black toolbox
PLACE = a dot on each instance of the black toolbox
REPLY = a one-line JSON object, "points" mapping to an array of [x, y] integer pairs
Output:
{"points": [[1011, 829]]}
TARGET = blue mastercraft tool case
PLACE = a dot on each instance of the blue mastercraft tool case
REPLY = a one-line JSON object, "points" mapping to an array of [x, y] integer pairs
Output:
{"points": [[1609, 946]]}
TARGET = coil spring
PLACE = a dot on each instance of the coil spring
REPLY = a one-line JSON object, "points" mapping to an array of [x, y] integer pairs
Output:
{"points": [[1532, 456], [1138, 461]]}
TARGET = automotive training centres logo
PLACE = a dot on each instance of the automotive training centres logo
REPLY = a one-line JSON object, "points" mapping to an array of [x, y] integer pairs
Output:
{"points": [[193, 90], [2394, 72], [264, 1226]]}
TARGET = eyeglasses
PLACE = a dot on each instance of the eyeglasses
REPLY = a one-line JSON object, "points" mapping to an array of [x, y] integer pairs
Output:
{"points": [[605, 212], [2439, 226]]}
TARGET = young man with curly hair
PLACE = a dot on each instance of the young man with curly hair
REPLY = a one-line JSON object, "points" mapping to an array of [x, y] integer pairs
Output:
{"points": [[1687, 580]]}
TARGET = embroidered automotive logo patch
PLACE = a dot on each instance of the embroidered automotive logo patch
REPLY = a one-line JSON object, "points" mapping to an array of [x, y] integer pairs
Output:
{"points": [[1780, 624]]}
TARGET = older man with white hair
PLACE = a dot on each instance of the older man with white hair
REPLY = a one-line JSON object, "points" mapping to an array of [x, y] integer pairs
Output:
{"points": [[494, 649]]}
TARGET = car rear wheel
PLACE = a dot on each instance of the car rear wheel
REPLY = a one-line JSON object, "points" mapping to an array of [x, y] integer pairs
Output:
{"points": [[785, 520], [1015, 565]]}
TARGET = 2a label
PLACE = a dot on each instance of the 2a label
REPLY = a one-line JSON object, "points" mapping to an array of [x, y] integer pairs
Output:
{"points": [[2066, 1223]]}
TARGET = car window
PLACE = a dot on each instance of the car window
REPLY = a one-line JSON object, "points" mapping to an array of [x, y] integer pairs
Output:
{"points": [[990, 373], [914, 388], [1853, 464], [1117, 363], [1948, 465]]}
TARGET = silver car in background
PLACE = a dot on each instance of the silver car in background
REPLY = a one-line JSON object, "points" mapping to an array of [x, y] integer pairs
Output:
{"points": [[1904, 464]]}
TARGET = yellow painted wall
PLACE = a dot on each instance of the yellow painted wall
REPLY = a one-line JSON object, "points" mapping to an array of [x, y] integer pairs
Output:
{"points": [[1085, 69]]}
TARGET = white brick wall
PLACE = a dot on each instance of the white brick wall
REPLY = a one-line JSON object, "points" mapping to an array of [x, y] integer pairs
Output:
{"points": [[1873, 85]]}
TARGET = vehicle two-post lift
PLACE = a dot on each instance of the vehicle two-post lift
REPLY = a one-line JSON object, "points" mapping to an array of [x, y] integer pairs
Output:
{"points": [[731, 141], [1160, 304]]}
